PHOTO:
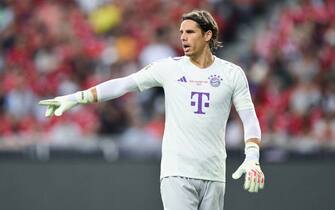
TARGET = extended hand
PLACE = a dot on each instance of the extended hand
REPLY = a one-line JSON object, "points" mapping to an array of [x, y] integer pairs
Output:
{"points": [[58, 105], [254, 177]]}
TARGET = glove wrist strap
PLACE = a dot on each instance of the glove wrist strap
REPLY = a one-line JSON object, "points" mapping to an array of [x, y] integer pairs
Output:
{"points": [[251, 151], [84, 97]]}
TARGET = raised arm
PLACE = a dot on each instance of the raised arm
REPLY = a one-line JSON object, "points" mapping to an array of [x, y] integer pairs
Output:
{"points": [[105, 91]]}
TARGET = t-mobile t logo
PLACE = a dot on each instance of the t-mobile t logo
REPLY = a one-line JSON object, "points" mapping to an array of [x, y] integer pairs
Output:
{"points": [[199, 101]]}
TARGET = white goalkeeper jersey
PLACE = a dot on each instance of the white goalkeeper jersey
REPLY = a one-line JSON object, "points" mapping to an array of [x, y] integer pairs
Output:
{"points": [[197, 104]]}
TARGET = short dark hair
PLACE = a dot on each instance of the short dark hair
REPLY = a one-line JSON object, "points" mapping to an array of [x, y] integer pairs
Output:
{"points": [[205, 22]]}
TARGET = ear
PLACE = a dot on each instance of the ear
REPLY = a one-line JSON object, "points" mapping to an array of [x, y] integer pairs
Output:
{"points": [[208, 35]]}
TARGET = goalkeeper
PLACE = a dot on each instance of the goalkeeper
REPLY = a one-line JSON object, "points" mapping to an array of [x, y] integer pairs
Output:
{"points": [[200, 89]]}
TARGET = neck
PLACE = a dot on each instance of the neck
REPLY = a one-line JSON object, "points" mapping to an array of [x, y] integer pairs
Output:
{"points": [[203, 60]]}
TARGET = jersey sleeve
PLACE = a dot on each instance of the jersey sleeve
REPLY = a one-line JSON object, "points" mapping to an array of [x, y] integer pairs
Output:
{"points": [[241, 96], [152, 75]]}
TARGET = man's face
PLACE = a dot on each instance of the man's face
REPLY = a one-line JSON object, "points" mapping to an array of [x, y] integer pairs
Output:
{"points": [[192, 38]]}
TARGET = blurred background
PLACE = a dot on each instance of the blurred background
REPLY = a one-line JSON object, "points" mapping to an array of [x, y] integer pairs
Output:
{"points": [[106, 155]]}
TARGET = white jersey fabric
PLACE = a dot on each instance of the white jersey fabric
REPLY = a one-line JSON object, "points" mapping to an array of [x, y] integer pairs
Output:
{"points": [[197, 104]]}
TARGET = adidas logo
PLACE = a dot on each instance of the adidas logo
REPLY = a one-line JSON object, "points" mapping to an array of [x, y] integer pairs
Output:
{"points": [[183, 79]]}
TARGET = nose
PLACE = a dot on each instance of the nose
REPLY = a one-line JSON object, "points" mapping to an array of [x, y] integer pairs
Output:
{"points": [[183, 37]]}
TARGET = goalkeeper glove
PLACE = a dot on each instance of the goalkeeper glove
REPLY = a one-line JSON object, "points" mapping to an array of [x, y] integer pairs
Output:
{"points": [[57, 106], [254, 177]]}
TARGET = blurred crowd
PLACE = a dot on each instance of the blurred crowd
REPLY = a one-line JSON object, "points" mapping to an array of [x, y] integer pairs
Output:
{"points": [[57, 47], [291, 70]]}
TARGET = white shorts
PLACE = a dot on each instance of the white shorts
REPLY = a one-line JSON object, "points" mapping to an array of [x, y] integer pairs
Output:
{"points": [[182, 193]]}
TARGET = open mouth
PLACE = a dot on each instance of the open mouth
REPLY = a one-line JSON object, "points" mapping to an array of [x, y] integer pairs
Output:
{"points": [[186, 47]]}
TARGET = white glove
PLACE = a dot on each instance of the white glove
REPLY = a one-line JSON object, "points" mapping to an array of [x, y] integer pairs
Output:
{"points": [[254, 177], [60, 104]]}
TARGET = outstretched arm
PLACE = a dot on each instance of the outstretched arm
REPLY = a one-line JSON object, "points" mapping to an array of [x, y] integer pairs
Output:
{"points": [[254, 177], [105, 91]]}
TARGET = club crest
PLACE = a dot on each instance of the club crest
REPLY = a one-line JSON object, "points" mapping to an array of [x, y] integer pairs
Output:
{"points": [[215, 80]]}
